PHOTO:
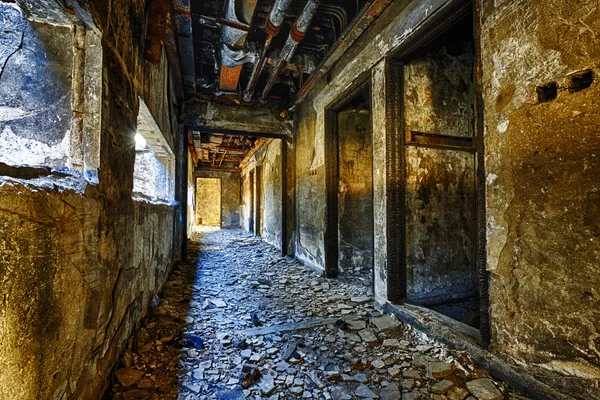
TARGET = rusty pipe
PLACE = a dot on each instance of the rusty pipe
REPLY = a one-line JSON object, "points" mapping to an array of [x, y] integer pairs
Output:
{"points": [[273, 27], [296, 35]]}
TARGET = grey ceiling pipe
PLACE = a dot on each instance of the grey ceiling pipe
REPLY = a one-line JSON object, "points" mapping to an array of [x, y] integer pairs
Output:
{"points": [[273, 27], [296, 36]]}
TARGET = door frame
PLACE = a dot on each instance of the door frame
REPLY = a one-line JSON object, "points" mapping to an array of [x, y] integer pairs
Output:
{"points": [[436, 25], [331, 236]]}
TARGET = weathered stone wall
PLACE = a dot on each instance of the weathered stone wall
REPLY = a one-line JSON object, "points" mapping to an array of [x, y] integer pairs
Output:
{"points": [[543, 201], [80, 262], [247, 198], [36, 65], [231, 217], [355, 189], [310, 190]]}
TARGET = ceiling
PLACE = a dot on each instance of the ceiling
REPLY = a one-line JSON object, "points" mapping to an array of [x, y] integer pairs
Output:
{"points": [[256, 55], [238, 40]]}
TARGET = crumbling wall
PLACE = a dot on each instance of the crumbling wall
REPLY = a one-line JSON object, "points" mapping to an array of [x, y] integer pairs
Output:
{"points": [[355, 189], [543, 201], [230, 197], [36, 65], [310, 190], [80, 262]]}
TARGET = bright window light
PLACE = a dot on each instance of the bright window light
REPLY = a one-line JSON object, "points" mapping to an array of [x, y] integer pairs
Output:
{"points": [[140, 142]]}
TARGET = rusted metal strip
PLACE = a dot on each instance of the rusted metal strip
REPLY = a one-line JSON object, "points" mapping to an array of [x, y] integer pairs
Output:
{"points": [[434, 140]]}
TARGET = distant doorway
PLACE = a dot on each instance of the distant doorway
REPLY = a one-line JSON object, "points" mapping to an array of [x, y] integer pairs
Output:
{"points": [[208, 202]]}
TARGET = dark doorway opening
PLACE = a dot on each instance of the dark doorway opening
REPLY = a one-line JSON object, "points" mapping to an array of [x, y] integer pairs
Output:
{"points": [[349, 157], [433, 97]]}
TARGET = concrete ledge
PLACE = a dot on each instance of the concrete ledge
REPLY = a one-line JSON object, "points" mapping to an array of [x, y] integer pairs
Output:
{"points": [[466, 338]]}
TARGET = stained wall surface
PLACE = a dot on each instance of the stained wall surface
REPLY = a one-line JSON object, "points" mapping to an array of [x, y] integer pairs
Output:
{"points": [[541, 160], [267, 163], [542, 163]]}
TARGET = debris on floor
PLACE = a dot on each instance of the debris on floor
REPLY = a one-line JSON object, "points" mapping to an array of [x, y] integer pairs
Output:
{"points": [[241, 322]]}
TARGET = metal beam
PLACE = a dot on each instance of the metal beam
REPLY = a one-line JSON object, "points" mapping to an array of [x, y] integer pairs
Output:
{"points": [[229, 132]]}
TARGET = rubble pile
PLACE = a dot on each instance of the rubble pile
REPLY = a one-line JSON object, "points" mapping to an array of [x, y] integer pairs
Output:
{"points": [[241, 322]]}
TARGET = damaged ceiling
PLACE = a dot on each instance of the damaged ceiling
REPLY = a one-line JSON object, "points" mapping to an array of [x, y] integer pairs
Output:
{"points": [[250, 51], [262, 55]]}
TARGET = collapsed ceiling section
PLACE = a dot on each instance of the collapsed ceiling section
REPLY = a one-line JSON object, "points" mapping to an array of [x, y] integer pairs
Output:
{"points": [[219, 151], [249, 51]]}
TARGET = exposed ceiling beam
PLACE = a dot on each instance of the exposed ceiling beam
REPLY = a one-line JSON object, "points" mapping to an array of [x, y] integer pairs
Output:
{"points": [[229, 132]]}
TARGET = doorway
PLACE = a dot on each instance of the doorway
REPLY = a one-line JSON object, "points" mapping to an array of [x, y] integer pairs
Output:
{"points": [[349, 162], [437, 207], [208, 202]]}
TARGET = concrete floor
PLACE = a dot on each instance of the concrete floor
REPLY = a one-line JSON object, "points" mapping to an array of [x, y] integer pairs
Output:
{"points": [[239, 321]]}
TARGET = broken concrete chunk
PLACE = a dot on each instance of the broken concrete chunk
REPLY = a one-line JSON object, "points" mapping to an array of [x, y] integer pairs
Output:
{"points": [[364, 392], [442, 387], [266, 384], [484, 389], [391, 392], [440, 370], [368, 336], [384, 322]]}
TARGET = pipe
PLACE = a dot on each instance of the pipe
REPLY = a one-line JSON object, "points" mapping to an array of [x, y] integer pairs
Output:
{"points": [[296, 35], [371, 11], [273, 27]]}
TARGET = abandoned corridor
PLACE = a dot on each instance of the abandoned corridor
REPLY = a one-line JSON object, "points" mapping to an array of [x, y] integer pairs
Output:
{"points": [[434, 163], [242, 322]]}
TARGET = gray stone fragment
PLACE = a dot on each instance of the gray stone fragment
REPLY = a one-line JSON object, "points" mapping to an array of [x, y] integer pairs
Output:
{"points": [[391, 392], [484, 389], [442, 387], [266, 384], [368, 336], [364, 392], [360, 300], [384, 322]]}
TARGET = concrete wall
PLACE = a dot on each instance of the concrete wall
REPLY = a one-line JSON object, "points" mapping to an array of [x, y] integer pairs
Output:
{"points": [[80, 259], [230, 197], [36, 65], [543, 202]]}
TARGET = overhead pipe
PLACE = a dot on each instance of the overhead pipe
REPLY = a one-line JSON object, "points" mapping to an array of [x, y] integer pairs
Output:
{"points": [[296, 36], [272, 28]]}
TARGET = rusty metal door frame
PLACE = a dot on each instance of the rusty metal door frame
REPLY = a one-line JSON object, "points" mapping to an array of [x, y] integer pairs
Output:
{"points": [[331, 237], [436, 25]]}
